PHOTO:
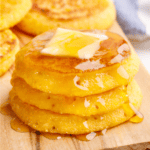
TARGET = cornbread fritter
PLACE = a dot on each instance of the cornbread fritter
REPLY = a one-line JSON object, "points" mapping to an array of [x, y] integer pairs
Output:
{"points": [[47, 73], [12, 11], [77, 14], [48, 121], [82, 106], [9, 46]]}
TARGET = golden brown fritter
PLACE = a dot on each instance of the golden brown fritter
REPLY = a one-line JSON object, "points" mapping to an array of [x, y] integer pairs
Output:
{"points": [[9, 46], [74, 14], [12, 11]]}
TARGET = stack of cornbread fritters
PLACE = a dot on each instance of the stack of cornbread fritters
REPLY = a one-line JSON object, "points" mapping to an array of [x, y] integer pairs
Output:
{"points": [[72, 95], [11, 12], [74, 14]]}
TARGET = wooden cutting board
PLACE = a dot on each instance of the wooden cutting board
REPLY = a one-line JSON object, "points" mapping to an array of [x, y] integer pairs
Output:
{"points": [[125, 135]]}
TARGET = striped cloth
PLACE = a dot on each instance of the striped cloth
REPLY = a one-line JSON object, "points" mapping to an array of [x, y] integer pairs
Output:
{"points": [[134, 18]]}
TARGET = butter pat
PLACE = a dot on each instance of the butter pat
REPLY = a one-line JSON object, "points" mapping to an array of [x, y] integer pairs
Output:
{"points": [[70, 43]]}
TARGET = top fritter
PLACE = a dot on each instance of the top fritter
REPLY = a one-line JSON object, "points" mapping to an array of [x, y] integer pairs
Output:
{"points": [[76, 51], [73, 63]]}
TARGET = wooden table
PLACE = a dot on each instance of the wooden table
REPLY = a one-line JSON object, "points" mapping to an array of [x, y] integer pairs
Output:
{"points": [[127, 136]]}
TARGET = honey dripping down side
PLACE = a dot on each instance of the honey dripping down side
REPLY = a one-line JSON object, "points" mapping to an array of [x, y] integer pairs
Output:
{"points": [[112, 51], [138, 117], [5, 109], [16, 123], [19, 126]]}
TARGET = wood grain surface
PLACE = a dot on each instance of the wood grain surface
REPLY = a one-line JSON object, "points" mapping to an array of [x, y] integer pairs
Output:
{"points": [[127, 136]]}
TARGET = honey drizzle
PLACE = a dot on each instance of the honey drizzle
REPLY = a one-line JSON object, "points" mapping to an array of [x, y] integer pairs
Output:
{"points": [[90, 136], [5, 109], [19, 126], [15, 123], [138, 117], [81, 137], [86, 137], [112, 51], [53, 136]]}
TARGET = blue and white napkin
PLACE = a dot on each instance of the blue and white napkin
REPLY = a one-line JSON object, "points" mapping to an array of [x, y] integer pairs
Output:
{"points": [[134, 18]]}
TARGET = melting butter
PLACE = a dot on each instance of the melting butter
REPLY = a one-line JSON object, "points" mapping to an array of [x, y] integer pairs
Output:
{"points": [[136, 119], [71, 43]]}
